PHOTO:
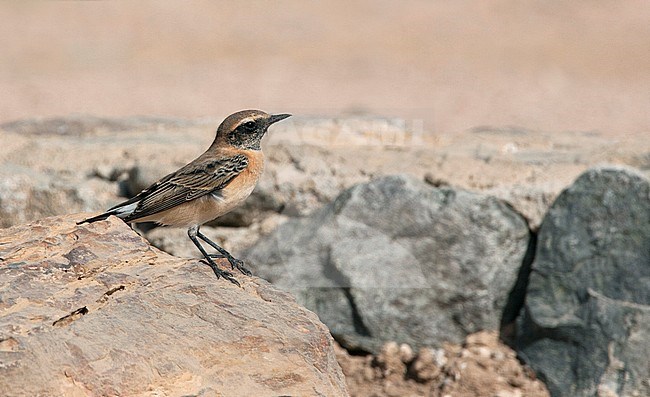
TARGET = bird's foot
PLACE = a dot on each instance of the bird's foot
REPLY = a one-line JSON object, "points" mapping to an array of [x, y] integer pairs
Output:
{"points": [[234, 263], [221, 273], [239, 265]]}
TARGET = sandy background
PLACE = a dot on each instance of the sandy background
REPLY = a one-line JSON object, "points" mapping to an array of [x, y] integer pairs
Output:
{"points": [[545, 66]]}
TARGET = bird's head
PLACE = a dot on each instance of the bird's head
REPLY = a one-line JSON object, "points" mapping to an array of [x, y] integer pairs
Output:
{"points": [[245, 129]]}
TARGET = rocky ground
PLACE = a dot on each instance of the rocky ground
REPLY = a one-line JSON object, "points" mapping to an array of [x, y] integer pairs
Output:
{"points": [[482, 366], [499, 183]]}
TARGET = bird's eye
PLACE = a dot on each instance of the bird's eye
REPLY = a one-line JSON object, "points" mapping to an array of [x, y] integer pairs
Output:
{"points": [[249, 125]]}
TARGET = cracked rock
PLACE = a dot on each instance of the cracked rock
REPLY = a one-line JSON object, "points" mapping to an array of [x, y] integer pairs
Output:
{"points": [[95, 310]]}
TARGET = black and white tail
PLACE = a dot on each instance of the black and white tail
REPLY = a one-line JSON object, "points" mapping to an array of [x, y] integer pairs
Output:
{"points": [[122, 210]]}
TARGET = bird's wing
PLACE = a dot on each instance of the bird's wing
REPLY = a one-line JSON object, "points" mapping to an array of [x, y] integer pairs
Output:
{"points": [[190, 182]]}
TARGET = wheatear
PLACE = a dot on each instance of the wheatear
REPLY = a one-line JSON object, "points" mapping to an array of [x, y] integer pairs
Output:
{"points": [[210, 186]]}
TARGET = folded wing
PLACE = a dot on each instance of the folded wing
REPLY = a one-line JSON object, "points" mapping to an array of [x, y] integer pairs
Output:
{"points": [[195, 180]]}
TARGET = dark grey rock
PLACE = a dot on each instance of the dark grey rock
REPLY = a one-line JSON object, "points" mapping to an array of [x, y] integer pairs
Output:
{"points": [[586, 323], [397, 259]]}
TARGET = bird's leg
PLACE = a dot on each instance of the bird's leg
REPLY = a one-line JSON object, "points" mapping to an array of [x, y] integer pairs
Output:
{"points": [[234, 262], [192, 233]]}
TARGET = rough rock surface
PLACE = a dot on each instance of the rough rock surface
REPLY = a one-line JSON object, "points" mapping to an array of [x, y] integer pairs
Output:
{"points": [[586, 324], [397, 259], [482, 366], [96, 310]]}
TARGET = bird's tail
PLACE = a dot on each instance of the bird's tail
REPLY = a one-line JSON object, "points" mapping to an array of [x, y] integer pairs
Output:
{"points": [[121, 210], [99, 217]]}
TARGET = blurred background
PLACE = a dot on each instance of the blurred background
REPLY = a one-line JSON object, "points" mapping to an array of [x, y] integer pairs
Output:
{"points": [[549, 66]]}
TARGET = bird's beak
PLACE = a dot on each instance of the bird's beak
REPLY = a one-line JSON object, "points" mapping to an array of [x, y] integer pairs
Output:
{"points": [[274, 118]]}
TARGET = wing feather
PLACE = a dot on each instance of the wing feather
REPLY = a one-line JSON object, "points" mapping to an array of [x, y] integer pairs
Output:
{"points": [[190, 182]]}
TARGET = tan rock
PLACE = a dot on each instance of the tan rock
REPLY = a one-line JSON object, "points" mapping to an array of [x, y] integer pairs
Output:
{"points": [[96, 310]]}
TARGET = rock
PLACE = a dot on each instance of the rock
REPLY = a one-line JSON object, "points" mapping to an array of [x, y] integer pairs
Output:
{"points": [[427, 364], [531, 202], [406, 353], [58, 166], [449, 371], [389, 361], [586, 323], [96, 310], [306, 177], [27, 194], [397, 251]]}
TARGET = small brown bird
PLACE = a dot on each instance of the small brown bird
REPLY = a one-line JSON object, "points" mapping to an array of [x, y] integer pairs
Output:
{"points": [[210, 186]]}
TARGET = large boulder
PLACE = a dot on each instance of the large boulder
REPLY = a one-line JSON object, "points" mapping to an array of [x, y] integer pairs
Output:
{"points": [[397, 259], [96, 310], [586, 323]]}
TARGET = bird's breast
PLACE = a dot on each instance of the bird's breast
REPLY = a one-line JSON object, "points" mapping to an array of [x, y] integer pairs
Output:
{"points": [[243, 184]]}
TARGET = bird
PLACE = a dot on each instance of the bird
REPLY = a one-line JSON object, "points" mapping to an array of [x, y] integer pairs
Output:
{"points": [[208, 187]]}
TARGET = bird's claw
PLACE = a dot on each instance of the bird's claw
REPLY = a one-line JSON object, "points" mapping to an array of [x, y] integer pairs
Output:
{"points": [[234, 263], [232, 279], [221, 273], [239, 265]]}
